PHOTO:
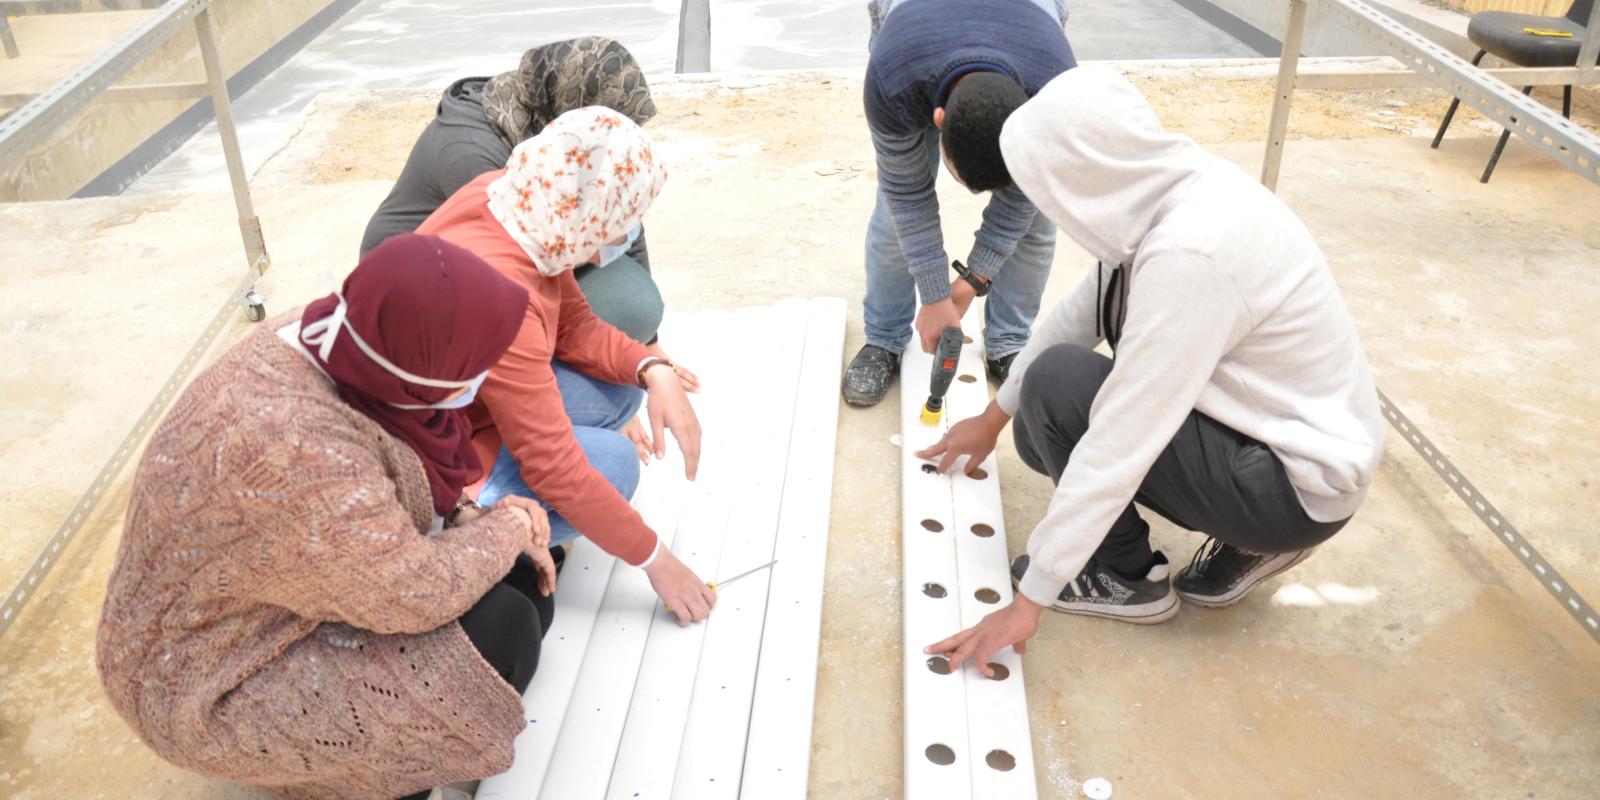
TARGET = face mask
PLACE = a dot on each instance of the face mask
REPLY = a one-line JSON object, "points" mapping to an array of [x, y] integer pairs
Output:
{"points": [[324, 332], [610, 253]]}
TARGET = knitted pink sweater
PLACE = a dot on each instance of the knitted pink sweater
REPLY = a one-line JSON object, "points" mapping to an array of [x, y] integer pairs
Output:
{"points": [[278, 615]]}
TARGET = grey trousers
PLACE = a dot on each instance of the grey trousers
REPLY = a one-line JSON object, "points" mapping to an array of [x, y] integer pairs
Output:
{"points": [[624, 294], [1210, 478]]}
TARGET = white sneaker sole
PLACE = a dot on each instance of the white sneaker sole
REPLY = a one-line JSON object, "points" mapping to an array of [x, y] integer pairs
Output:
{"points": [[1276, 565], [1151, 613]]}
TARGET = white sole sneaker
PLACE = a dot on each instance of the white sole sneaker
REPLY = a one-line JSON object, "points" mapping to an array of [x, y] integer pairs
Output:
{"points": [[1275, 565]]}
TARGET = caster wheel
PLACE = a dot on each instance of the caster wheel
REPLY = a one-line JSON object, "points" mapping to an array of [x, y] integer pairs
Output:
{"points": [[256, 312]]}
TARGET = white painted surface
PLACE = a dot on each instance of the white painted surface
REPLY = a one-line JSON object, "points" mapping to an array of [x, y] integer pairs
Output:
{"points": [[578, 593], [997, 717], [778, 753], [972, 715], [935, 705], [631, 704], [712, 757]]}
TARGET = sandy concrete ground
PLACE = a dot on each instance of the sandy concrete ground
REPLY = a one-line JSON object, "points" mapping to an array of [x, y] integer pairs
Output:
{"points": [[53, 45], [1411, 657]]}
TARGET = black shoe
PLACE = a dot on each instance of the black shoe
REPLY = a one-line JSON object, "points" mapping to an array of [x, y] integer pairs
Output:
{"points": [[1100, 591], [867, 379], [1220, 574], [558, 554], [1000, 368]]}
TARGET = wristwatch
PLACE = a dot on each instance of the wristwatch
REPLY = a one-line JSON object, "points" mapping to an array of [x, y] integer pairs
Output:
{"points": [[463, 504], [978, 285], [651, 362]]}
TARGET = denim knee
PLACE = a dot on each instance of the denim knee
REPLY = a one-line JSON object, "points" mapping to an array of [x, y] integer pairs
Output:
{"points": [[613, 456]]}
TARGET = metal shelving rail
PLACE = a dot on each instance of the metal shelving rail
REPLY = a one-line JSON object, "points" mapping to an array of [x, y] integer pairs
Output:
{"points": [[31, 124], [1562, 139]]}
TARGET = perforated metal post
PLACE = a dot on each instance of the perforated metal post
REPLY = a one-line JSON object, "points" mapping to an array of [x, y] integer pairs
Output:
{"points": [[1591, 42], [7, 38], [249, 224], [1288, 69]]}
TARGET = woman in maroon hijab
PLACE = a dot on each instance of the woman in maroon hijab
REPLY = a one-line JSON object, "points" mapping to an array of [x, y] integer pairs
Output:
{"points": [[296, 604]]}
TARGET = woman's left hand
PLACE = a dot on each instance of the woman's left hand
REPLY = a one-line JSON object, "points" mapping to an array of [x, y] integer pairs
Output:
{"points": [[690, 381], [545, 564], [538, 520], [670, 410]]}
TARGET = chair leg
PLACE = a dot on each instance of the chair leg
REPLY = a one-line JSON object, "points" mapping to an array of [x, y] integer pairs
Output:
{"points": [[1505, 136], [1566, 101], [1455, 103]]}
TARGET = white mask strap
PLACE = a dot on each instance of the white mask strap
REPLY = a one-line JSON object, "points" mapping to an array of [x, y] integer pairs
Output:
{"points": [[324, 332]]}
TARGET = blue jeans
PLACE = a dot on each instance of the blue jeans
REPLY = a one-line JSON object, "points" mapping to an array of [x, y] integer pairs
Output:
{"points": [[598, 410], [1013, 301]]}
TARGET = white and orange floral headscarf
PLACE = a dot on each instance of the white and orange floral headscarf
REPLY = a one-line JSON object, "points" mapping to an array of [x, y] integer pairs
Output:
{"points": [[585, 180]]}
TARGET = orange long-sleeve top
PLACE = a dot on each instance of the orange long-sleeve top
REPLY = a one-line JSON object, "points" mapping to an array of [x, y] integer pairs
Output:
{"points": [[519, 404]]}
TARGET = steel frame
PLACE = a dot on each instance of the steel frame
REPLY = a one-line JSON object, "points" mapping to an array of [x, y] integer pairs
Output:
{"points": [[29, 126], [7, 38], [1567, 142], [1560, 138]]}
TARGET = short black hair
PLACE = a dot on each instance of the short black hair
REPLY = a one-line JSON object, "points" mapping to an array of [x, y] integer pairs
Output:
{"points": [[973, 116]]}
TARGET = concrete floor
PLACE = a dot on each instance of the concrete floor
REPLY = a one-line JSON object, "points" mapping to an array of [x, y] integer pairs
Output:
{"points": [[1412, 657], [376, 45]]}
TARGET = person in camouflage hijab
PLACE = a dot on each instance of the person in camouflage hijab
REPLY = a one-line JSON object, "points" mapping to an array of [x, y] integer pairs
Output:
{"points": [[561, 76]]}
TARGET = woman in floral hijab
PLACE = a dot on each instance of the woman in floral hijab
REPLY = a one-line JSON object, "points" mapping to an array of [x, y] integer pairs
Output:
{"points": [[478, 123], [550, 416]]}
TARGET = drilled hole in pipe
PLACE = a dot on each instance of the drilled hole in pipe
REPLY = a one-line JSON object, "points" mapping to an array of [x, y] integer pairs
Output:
{"points": [[1000, 760], [932, 525], [941, 754], [930, 469], [967, 378], [982, 530], [978, 474], [989, 596], [933, 590], [939, 665], [999, 670]]}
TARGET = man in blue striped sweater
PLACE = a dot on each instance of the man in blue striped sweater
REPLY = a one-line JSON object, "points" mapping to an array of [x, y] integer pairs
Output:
{"points": [[951, 70]]}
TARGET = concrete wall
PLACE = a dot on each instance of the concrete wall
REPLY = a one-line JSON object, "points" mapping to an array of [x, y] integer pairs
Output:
{"points": [[103, 133]]}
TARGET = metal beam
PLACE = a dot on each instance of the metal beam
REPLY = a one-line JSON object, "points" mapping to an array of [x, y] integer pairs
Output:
{"points": [[1560, 138], [255, 246], [7, 38], [1591, 42], [26, 128], [1394, 79], [1288, 69], [127, 94]]}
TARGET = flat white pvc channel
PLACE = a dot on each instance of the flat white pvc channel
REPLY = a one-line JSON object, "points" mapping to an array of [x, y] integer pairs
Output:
{"points": [[966, 736], [626, 703]]}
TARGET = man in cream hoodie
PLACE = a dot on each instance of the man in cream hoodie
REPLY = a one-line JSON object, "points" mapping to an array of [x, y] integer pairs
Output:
{"points": [[1238, 401]]}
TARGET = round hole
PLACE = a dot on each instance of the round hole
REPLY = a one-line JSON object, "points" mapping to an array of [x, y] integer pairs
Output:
{"points": [[930, 469], [982, 530], [989, 596], [967, 378], [933, 590], [966, 340], [1000, 671], [1000, 760], [978, 474], [941, 754], [932, 525], [939, 665]]}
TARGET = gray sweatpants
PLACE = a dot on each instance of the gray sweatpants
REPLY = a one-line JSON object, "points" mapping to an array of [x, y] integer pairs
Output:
{"points": [[1210, 478]]}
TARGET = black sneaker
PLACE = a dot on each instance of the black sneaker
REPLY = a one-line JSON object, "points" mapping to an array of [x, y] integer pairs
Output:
{"points": [[1220, 574], [867, 379], [1000, 368], [1100, 591]]}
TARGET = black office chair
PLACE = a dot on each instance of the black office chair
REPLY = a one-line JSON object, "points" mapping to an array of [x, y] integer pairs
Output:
{"points": [[1502, 35]]}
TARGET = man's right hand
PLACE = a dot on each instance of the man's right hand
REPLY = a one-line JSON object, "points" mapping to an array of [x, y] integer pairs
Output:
{"points": [[933, 319], [683, 592], [974, 437]]}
